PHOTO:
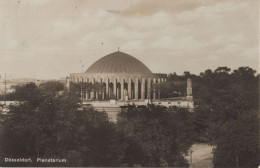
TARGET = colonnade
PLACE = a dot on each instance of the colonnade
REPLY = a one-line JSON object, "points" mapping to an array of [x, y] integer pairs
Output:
{"points": [[120, 88]]}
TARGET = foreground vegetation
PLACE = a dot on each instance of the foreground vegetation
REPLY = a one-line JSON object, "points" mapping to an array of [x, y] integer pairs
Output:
{"points": [[48, 123], [226, 113]]}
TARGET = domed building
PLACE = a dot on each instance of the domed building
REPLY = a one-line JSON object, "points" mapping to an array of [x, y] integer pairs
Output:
{"points": [[118, 79], [123, 77]]}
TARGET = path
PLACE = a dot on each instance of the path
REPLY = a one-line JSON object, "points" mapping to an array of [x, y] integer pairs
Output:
{"points": [[202, 156]]}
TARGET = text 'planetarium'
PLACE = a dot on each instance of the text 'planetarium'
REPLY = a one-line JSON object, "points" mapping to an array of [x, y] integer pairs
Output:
{"points": [[122, 76]]}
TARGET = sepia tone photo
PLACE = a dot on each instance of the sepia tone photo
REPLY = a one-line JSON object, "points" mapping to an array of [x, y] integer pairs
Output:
{"points": [[140, 83]]}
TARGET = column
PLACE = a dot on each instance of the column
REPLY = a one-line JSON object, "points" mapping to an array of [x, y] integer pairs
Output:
{"points": [[92, 92], [83, 95], [87, 95], [103, 94], [103, 91], [143, 89], [114, 95], [97, 89], [117, 93], [189, 87], [129, 89], [122, 89], [107, 88], [159, 89], [149, 89], [110, 93], [154, 88], [81, 90], [136, 89], [189, 96], [162, 80], [92, 95]]}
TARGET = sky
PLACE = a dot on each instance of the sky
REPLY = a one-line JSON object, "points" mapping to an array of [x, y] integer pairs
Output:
{"points": [[49, 39]]}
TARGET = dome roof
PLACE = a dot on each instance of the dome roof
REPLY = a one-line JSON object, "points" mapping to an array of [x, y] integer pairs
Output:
{"points": [[118, 62]]}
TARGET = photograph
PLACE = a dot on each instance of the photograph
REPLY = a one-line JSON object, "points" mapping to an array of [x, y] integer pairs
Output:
{"points": [[129, 83]]}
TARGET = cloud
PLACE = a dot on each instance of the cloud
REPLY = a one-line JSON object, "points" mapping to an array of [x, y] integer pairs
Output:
{"points": [[148, 7], [181, 34], [133, 45], [37, 3]]}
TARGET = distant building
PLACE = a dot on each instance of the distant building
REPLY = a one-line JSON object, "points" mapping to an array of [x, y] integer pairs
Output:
{"points": [[124, 80], [7, 85], [4, 106]]}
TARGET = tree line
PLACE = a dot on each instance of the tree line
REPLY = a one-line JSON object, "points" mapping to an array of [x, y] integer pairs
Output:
{"points": [[49, 123], [227, 114]]}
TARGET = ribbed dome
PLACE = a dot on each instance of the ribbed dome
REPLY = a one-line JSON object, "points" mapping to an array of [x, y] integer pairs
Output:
{"points": [[118, 62]]}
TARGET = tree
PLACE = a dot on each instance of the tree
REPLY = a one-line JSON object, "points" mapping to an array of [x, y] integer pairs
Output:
{"points": [[55, 127], [163, 136], [236, 141], [49, 123], [226, 115], [187, 74], [171, 89], [222, 70], [96, 141], [29, 93]]}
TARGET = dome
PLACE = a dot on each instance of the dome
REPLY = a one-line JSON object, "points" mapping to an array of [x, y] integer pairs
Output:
{"points": [[118, 62]]}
